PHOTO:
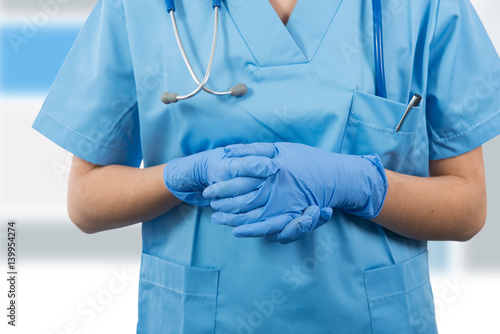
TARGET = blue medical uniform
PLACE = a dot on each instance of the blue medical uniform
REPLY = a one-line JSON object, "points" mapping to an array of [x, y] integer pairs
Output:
{"points": [[310, 82]]}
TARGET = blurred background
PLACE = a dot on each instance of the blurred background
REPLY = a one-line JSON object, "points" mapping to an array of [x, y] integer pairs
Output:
{"points": [[70, 282]]}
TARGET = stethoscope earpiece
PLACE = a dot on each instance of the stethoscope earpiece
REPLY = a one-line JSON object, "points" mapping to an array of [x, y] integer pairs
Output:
{"points": [[239, 90], [168, 97]]}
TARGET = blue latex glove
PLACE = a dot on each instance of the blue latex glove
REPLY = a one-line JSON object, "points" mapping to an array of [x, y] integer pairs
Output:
{"points": [[307, 177], [187, 177], [287, 227]]}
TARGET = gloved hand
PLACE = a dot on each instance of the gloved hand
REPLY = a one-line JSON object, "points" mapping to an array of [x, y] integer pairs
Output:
{"points": [[307, 177], [187, 177], [286, 228]]}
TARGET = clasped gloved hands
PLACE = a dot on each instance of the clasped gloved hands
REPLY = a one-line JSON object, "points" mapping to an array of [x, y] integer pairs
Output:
{"points": [[189, 176], [299, 197], [278, 191]]}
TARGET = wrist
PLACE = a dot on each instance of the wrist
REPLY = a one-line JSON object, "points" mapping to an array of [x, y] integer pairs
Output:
{"points": [[362, 187]]}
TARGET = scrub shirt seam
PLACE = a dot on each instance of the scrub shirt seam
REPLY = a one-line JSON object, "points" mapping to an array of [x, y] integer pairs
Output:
{"points": [[195, 295], [440, 139], [259, 66], [409, 312], [326, 31], [388, 296], [217, 277], [241, 35], [387, 241], [75, 133], [116, 9], [282, 65], [129, 110], [406, 298], [435, 22], [368, 303], [381, 128], [347, 122]]}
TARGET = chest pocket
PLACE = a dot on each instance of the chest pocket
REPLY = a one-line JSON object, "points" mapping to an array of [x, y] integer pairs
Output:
{"points": [[371, 128]]}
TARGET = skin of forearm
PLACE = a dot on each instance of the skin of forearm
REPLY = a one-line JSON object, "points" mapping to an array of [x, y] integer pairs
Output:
{"points": [[114, 196], [447, 207]]}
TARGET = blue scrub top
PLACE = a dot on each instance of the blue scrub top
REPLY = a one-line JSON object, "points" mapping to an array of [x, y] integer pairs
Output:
{"points": [[310, 82]]}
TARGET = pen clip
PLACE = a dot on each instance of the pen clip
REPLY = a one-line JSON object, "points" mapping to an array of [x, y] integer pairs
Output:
{"points": [[414, 102]]}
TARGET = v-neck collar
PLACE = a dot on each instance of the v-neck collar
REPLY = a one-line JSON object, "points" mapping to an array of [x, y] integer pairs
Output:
{"points": [[274, 44], [309, 23]]}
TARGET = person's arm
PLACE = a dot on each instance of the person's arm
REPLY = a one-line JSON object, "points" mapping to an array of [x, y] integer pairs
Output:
{"points": [[107, 197], [449, 205]]}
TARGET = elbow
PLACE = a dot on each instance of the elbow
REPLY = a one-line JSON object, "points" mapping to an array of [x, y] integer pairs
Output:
{"points": [[474, 225], [79, 209], [476, 219], [84, 223], [470, 233], [81, 205], [86, 228]]}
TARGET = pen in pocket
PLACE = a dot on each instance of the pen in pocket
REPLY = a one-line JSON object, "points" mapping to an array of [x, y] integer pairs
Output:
{"points": [[414, 102]]}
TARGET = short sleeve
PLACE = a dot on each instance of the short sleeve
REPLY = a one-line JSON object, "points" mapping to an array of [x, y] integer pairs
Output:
{"points": [[463, 94], [91, 109]]}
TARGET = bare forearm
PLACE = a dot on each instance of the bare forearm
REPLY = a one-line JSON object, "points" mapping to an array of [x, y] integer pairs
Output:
{"points": [[108, 197], [446, 207]]}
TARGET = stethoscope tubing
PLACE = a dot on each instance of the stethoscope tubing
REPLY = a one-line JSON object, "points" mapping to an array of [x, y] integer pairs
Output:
{"points": [[201, 85], [380, 85], [378, 40]]}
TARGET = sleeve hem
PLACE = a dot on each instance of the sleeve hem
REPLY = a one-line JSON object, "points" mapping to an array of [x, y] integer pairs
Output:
{"points": [[443, 148], [83, 147]]}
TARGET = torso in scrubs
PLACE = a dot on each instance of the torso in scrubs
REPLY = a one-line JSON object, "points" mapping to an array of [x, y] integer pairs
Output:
{"points": [[310, 82]]}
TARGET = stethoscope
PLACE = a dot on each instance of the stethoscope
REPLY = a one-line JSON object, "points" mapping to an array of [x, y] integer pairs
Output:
{"points": [[241, 89]]}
